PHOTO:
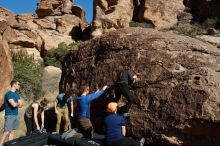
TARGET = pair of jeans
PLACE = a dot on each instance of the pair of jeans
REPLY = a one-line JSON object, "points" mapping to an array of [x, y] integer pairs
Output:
{"points": [[123, 89], [62, 112], [85, 127], [29, 124]]}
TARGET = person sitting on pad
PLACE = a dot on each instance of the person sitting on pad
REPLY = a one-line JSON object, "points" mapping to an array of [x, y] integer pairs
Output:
{"points": [[116, 130]]}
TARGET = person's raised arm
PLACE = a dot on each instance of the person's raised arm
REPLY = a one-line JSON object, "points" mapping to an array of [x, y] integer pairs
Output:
{"points": [[36, 106], [95, 95], [132, 76]]}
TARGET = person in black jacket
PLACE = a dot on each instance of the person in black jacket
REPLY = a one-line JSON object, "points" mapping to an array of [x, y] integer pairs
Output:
{"points": [[125, 79]]}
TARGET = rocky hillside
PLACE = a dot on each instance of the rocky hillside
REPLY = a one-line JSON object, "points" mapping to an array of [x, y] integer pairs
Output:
{"points": [[177, 98], [111, 15], [56, 21]]}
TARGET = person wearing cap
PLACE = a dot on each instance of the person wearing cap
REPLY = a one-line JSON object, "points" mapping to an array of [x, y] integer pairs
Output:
{"points": [[31, 115], [83, 110], [125, 79], [115, 129]]}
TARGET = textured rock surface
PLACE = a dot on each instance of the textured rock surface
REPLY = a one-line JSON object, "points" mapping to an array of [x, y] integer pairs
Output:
{"points": [[111, 15], [50, 85], [213, 39], [160, 13], [5, 69], [54, 7], [177, 99], [205, 8], [29, 31], [34, 35]]}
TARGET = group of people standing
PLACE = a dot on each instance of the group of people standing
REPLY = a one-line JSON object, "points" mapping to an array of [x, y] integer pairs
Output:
{"points": [[114, 123]]}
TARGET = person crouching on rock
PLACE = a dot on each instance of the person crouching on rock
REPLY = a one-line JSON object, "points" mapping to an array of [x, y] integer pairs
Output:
{"points": [[31, 115], [83, 110], [115, 129], [61, 109], [122, 88]]}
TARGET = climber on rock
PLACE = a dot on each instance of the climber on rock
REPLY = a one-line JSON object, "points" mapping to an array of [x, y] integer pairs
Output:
{"points": [[126, 78]]}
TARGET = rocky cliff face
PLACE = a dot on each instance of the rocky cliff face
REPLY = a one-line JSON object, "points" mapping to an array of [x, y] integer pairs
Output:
{"points": [[160, 13], [176, 101], [110, 15], [37, 34], [5, 69], [45, 31], [54, 7]]}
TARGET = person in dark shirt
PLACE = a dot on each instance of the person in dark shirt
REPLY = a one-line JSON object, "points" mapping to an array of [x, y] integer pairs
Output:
{"points": [[115, 129], [31, 115], [83, 110], [125, 79]]}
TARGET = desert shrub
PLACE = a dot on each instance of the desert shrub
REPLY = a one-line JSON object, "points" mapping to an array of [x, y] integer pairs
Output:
{"points": [[211, 23], [28, 72], [192, 31], [141, 24], [54, 57]]}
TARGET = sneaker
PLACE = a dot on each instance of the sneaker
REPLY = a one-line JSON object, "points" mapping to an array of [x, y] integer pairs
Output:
{"points": [[126, 115], [142, 141]]}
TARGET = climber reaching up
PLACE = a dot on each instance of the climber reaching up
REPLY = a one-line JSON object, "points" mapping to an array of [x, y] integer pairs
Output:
{"points": [[126, 78]]}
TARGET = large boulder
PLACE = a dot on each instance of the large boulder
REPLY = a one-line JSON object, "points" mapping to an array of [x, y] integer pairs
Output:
{"points": [[204, 9], [160, 13], [35, 35], [111, 15], [54, 7], [80, 12], [50, 85], [176, 100], [6, 69]]}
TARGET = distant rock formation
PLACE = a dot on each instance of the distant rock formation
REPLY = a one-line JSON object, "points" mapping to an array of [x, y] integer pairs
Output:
{"points": [[160, 13], [6, 69], [176, 101], [111, 15], [35, 35], [203, 9], [54, 7], [27, 31]]}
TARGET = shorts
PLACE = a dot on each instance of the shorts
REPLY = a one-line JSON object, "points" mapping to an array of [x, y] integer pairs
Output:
{"points": [[11, 122]]}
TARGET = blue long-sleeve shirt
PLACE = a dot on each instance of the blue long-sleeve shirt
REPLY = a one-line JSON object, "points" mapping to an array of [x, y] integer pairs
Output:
{"points": [[83, 104]]}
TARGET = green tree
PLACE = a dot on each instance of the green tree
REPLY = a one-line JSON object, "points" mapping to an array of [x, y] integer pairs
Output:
{"points": [[29, 74], [54, 57]]}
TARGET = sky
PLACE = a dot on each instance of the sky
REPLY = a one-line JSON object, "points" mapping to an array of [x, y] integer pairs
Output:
{"points": [[29, 6]]}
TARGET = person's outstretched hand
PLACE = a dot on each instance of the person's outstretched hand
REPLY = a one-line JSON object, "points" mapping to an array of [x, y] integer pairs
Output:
{"points": [[104, 87]]}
